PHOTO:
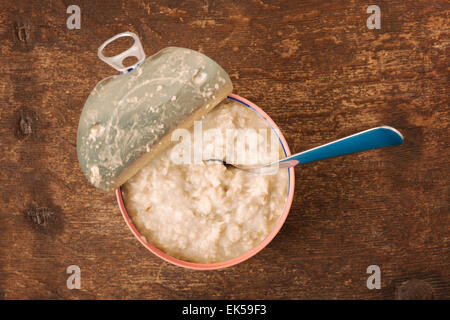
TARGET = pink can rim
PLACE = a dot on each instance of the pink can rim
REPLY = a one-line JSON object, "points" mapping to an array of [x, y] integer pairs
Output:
{"points": [[245, 256]]}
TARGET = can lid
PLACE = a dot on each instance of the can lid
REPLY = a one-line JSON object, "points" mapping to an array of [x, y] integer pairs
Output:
{"points": [[128, 118]]}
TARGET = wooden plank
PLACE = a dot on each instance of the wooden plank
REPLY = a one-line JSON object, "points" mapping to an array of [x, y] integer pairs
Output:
{"points": [[314, 67]]}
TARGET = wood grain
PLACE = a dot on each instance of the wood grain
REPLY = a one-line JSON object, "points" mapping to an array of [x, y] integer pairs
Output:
{"points": [[314, 67]]}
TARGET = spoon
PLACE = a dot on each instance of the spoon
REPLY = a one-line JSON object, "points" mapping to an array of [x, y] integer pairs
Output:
{"points": [[374, 138]]}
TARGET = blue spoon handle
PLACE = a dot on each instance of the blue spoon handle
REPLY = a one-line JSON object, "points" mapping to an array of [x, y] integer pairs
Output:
{"points": [[366, 140]]}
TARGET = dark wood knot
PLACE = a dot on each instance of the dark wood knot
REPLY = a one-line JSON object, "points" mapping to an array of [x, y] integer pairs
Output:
{"points": [[26, 124], [42, 218], [414, 290], [23, 31]]}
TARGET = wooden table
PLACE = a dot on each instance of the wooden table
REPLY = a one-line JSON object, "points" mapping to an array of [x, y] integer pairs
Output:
{"points": [[314, 67]]}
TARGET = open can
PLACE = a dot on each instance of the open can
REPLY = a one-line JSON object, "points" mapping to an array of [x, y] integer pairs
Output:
{"points": [[128, 119]]}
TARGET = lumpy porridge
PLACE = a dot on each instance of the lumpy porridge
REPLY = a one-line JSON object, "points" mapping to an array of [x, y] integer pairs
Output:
{"points": [[204, 212]]}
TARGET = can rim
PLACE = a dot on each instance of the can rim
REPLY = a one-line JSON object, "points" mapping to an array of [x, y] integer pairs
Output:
{"points": [[245, 256]]}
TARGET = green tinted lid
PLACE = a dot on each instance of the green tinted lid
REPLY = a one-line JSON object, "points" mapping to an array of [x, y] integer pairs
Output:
{"points": [[128, 118]]}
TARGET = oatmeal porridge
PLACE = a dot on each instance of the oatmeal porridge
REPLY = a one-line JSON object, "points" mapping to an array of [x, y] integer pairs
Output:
{"points": [[204, 212]]}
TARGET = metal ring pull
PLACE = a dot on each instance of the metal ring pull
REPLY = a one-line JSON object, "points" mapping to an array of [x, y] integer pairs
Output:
{"points": [[116, 61]]}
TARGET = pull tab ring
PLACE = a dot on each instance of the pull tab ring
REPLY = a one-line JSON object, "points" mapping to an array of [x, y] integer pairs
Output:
{"points": [[116, 61]]}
